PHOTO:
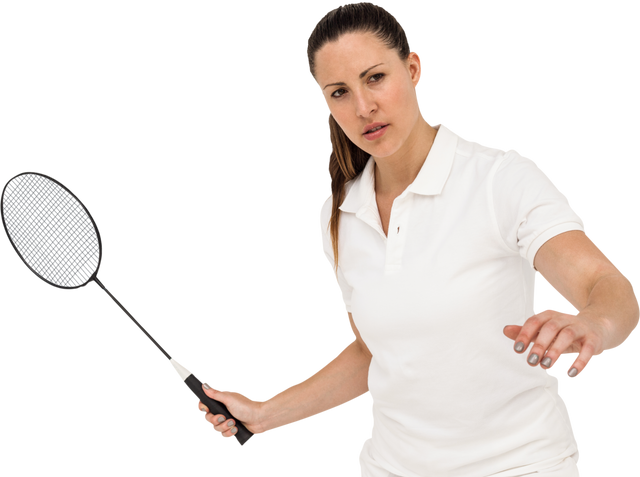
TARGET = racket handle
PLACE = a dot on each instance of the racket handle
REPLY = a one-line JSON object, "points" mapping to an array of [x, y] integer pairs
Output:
{"points": [[193, 384]]}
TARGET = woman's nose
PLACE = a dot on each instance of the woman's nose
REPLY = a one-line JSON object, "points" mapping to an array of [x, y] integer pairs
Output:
{"points": [[365, 104]]}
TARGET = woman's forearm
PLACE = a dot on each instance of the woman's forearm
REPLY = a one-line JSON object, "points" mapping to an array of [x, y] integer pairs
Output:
{"points": [[341, 380]]}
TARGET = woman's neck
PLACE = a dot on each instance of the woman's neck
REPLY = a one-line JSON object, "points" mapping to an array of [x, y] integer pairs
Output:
{"points": [[392, 178]]}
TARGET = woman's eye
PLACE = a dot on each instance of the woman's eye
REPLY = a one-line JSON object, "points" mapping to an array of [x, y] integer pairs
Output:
{"points": [[377, 77], [337, 93], [339, 96]]}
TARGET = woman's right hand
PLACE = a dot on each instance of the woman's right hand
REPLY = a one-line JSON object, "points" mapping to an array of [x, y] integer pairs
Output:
{"points": [[242, 408]]}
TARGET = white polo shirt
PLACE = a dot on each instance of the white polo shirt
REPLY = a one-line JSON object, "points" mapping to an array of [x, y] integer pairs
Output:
{"points": [[450, 396]]}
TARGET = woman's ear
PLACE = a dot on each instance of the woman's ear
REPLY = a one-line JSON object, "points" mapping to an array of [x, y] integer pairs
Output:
{"points": [[413, 63]]}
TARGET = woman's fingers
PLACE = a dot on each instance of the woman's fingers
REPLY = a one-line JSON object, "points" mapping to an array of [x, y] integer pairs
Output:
{"points": [[220, 423]]}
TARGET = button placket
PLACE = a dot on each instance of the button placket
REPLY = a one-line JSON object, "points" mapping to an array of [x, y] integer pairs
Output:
{"points": [[396, 234]]}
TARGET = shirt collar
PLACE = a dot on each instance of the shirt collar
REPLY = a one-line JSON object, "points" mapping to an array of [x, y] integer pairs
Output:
{"points": [[430, 180]]}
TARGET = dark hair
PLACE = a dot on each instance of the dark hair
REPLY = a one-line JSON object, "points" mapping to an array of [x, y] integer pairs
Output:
{"points": [[347, 160]]}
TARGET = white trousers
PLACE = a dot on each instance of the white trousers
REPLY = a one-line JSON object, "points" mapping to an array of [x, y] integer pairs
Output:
{"points": [[566, 468], [371, 468]]}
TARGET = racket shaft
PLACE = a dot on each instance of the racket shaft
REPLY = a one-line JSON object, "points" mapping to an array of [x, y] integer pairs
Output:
{"points": [[133, 320]]}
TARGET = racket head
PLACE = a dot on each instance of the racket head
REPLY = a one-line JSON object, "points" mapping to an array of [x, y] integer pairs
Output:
{"points": [[51, 230]]}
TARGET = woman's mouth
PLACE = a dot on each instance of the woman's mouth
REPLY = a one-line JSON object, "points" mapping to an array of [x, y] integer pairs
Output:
{"points": [[376, 133]]}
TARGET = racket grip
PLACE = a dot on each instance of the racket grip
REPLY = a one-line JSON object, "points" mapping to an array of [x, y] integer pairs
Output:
{"points": [[194, 384]]}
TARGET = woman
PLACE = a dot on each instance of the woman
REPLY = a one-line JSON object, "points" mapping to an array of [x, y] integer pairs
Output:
{"points": [[434, 241], [432, 285]]}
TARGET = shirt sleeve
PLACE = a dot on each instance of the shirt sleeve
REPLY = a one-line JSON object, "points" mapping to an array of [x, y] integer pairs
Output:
{"points": [[529, 209], [328, 251]]}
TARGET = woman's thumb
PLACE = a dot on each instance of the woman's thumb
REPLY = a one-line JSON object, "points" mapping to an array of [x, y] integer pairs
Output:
{"points": [[212, 393]]}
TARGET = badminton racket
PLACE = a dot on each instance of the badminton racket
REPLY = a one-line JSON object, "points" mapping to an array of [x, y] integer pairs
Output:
{"points": [[54, 234]]}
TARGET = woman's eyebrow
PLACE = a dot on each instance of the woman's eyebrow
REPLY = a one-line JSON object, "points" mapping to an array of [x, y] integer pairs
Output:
{"points": [[360, 76]]}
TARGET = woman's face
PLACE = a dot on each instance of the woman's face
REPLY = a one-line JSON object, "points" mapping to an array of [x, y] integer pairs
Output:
{"points": [[370, 92]]}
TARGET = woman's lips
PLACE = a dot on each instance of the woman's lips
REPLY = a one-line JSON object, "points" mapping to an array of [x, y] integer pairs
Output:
{"points": [[375, 131]]}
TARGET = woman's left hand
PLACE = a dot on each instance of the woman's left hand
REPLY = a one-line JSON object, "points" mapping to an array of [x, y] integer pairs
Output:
{"points": [[553, 333]]}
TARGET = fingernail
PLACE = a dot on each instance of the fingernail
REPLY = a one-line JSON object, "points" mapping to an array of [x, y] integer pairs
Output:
{"points": [[519, 346], [533, 359], [203, 409], [206, 386], [573, 372], [546, 362], [234, 430], [231, 423], [221, 419]]}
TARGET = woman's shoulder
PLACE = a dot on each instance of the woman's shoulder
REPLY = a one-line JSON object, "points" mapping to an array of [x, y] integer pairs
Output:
{"points": [[325, 213]]}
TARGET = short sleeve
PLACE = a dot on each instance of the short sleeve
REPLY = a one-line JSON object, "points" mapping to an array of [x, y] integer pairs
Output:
{"points": [[328, 251], [529, 209]]}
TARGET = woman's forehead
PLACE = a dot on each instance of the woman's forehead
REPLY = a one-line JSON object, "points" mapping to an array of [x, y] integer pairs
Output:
{"points": [[340, 60]]}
